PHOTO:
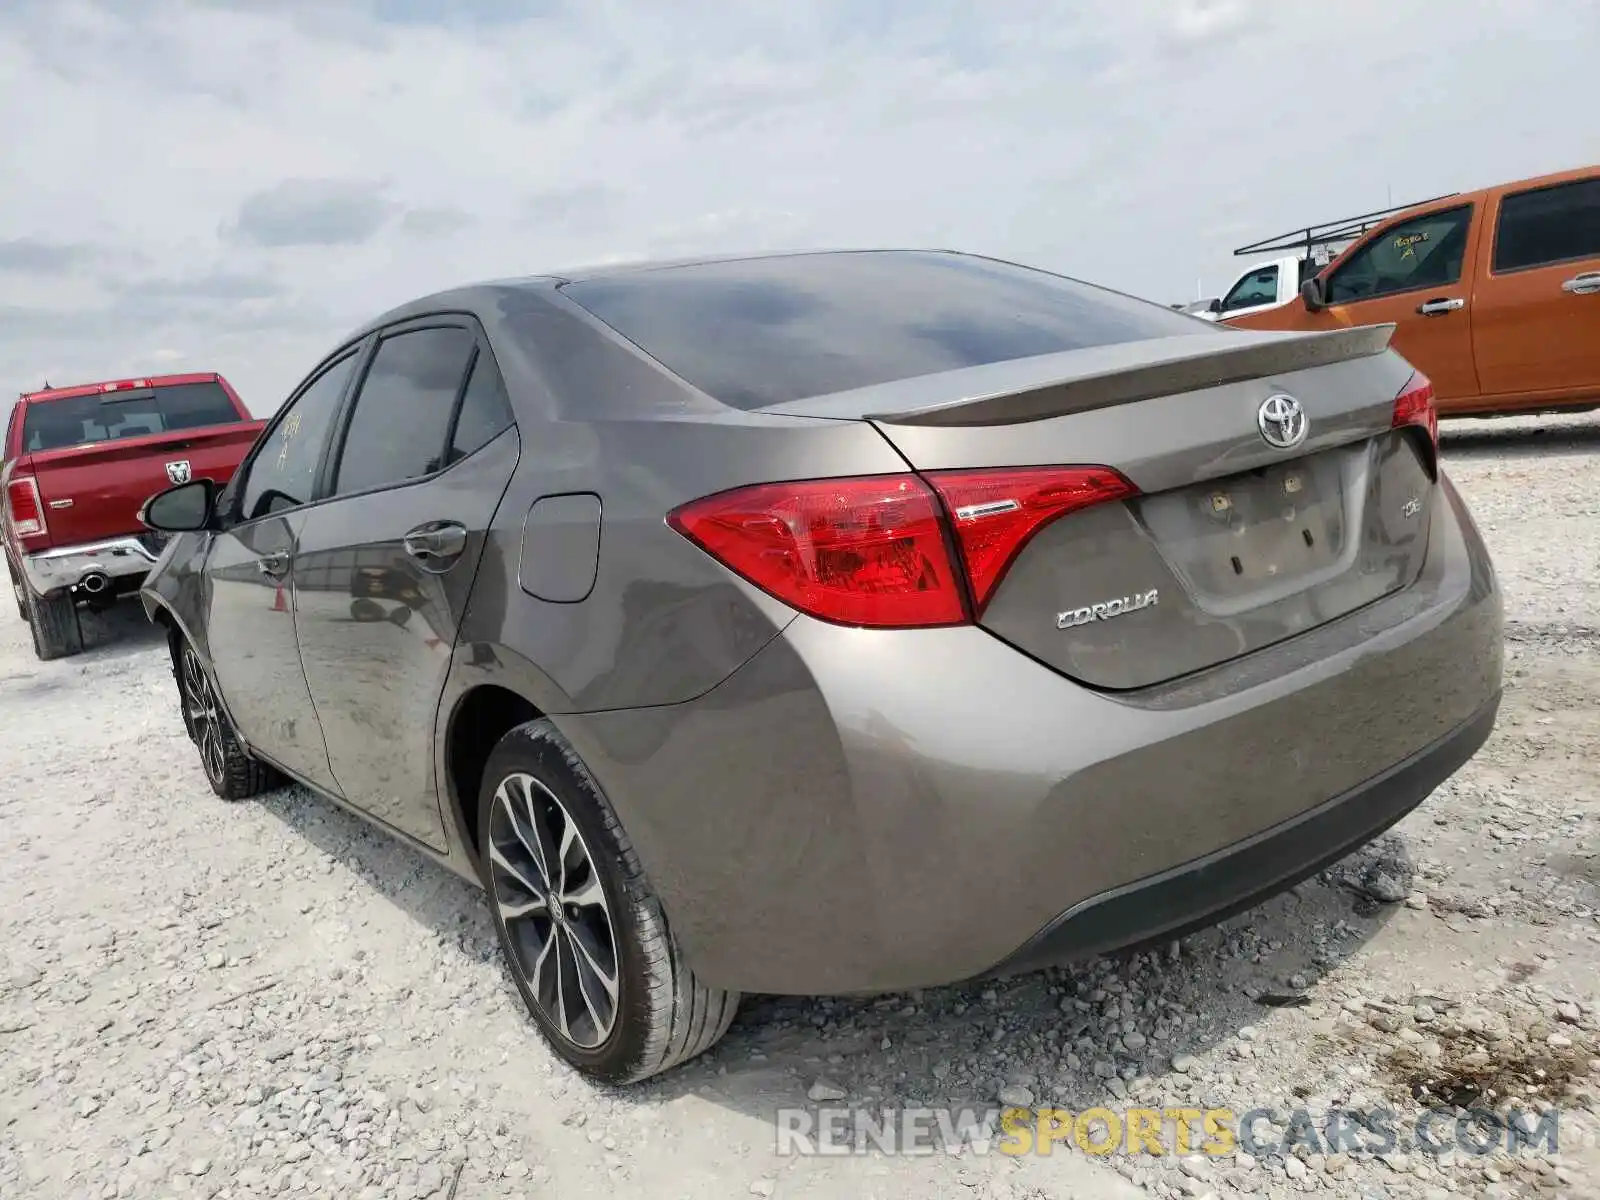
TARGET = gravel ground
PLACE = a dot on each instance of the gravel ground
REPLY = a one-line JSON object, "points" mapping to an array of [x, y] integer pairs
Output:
{"points": [[269, 998]]}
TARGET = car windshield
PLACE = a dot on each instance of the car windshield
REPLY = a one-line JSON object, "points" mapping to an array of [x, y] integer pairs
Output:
{"points": [[759, 332], [112, 416]]}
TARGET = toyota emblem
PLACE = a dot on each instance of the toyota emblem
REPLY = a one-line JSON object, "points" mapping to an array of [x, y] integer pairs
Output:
{"points": [[1282, 422]]}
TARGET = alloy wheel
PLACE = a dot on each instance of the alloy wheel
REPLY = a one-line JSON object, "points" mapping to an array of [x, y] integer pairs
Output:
{"points": [[558, 924], [200, 703]]}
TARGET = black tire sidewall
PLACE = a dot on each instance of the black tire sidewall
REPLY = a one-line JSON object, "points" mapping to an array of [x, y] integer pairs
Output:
{"points": [[176, 646], [537, 749], [40, 625]]}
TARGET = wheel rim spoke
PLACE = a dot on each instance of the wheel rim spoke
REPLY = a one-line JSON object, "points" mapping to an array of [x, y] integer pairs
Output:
{"points": [[596, 1007], [536, 894], [212, 747], [524, 825], [569, 843], [202, 712], [553, 910], [589, 967], [586, 895], [564, 979], [536, 973]]}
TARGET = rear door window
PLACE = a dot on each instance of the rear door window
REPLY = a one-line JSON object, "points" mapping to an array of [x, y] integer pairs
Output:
{"points": [[485, 410], [283, 473], [1549, 225], [1423, 252], [402, 412], [758, 332], [112, 416]]}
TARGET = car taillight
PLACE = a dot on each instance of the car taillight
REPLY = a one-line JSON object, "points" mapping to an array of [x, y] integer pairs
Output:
{"points": [[875, 551], [1415, 406], [868, 550], [996, 512], [23, 507]]}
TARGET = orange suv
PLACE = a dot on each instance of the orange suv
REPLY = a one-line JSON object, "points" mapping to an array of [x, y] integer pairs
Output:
{"points": [[1495, 294]]}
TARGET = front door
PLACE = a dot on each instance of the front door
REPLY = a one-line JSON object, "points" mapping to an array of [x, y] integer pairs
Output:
{"points": [[1536, 319], [255, 658], [1417, 273], [384, 567]]}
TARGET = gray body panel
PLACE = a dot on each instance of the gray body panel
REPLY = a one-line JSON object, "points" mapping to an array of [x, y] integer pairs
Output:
{"points": [[858, 810], [376, 629], [244, 609], [833, 809]]}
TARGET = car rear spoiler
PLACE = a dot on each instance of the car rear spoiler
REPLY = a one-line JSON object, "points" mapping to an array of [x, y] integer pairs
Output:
{"points": [[1132, 371]]}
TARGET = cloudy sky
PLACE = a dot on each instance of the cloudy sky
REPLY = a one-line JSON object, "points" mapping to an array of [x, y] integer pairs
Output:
{"points": [[233, 184]]}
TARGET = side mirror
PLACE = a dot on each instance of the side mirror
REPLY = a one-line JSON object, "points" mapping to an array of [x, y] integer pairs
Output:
{"points": [[186, 508], [1215, 306], [1311, 292]]}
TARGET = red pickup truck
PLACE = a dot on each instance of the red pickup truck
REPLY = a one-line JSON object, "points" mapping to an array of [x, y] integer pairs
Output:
{"points": [[75, 467]]}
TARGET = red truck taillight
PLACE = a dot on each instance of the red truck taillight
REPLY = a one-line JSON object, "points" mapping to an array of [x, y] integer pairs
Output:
{"points": [[23, 508]]}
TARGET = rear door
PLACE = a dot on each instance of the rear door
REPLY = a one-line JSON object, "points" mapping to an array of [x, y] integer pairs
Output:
{"points": [[102, 455], [1417, 274], [383, 568], [1536, 314], [250, 614]]}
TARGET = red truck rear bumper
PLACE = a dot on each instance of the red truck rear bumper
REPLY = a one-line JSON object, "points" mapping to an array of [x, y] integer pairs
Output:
{"points": [[91, 568]]}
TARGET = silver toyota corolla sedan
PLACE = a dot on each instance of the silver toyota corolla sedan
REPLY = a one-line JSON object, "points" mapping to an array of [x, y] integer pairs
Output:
{"points": [[834, 622]]}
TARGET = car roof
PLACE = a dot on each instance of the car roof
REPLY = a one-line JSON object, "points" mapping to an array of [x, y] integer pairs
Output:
{"points": [[117, 385]]}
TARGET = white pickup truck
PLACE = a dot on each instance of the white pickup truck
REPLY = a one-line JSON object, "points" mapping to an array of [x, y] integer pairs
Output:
{"points": [[1262, 286]]}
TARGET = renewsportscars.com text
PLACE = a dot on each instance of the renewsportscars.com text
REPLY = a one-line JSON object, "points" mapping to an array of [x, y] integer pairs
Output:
{"points": [[1216, 1132]]}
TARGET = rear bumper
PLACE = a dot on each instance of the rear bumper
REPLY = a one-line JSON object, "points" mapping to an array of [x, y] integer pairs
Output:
{"points": [[867, 811], [1215, 887], [68, 566]]}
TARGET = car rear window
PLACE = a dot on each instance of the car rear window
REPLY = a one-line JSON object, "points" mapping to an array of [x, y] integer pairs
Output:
{"points": [[758, 332], [110, 416]]}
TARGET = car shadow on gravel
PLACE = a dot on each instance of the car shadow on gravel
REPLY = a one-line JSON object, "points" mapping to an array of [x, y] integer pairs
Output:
{"points": [[1097, 1033], [1559, 437], [1076, 1037], [118, 631]]}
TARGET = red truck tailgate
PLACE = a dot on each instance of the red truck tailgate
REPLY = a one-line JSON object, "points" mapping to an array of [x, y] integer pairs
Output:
{"points": [[94, 491]]}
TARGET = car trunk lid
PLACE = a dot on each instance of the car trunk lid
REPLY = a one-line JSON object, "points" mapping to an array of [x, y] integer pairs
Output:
{"points": [[1232, 543]]}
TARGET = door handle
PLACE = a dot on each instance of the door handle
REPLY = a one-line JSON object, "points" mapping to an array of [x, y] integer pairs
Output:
{"points": [[1438, 308], [1586, 284], [436, 543], [274, 565]]}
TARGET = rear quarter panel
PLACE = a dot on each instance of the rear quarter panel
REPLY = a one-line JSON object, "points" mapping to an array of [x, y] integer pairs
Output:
{"points": [[664, 622]]}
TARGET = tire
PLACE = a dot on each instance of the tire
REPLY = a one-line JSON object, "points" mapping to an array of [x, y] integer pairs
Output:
{"points": [[16, 590], [662, 1015], [53, 621], [230, 770]]}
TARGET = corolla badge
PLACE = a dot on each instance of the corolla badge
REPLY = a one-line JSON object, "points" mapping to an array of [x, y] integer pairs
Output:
{"points": [[1106, 609], [178, 471]]}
